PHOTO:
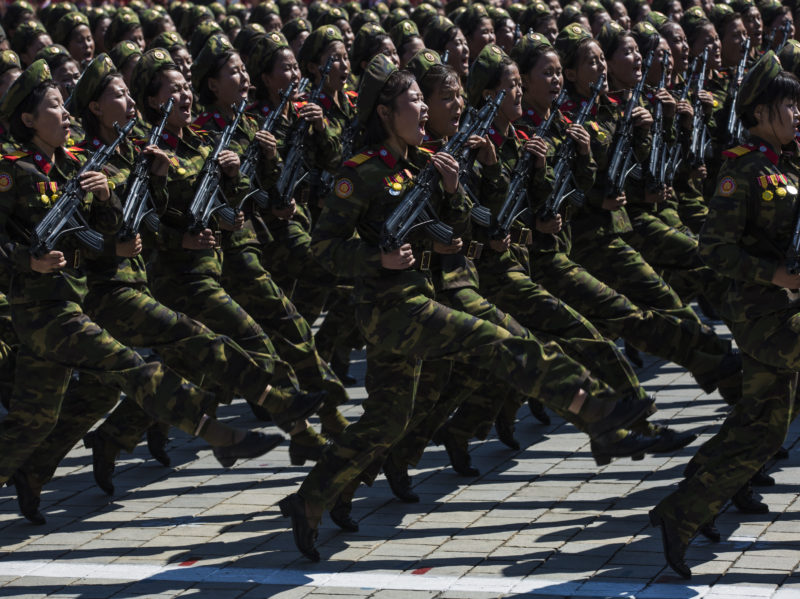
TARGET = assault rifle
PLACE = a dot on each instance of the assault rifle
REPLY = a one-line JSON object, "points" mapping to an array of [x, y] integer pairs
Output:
{"points": [[293, 169], [656, 165], [514, 204], [698, 144], [787, 27], [348, 141], [733, 127], [206, 199], [562, 171], [65, 217], [674, 154], [137, 208], [622, 159], [249, 167]]}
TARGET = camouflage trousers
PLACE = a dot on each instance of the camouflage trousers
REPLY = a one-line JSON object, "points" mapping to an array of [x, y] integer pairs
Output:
{"points": [[9, 344], [57, 337], [399, 336], [752, 432]]}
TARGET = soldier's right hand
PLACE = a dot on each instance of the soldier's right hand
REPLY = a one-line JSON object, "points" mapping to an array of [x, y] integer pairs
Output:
{"points": [[50, 262], [500, 245], [130, 248], [614, 203], [399, 259], [782, 278], [285, 213], [551, 226], [200, 241]]}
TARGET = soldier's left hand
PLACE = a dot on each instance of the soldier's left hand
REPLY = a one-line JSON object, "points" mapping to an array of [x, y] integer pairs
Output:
{"points": [[160, 165], [641, 117], [538, 147], [237, 225], [486, 152], [130, 248], [285, 213], [453, 248], [229, 163], [314, 115], [581, 137], [268, 144], [97, 184], [551, 226], [447, 166], [667, 102]]}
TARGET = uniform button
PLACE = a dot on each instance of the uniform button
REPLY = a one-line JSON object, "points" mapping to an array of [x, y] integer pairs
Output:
{"points": [[181, 171]]}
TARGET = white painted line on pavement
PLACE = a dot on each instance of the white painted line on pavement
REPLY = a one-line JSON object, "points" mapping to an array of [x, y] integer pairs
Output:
{"points": [[532, 585]]}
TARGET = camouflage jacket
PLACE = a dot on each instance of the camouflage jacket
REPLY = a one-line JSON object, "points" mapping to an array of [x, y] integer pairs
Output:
{"points": [[749, 229], [29, 186]]}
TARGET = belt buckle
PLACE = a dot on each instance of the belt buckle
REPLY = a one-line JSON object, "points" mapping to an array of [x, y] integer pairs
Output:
{"points": [[76, 259], [425, 260], [474, 250], [525, 236]]}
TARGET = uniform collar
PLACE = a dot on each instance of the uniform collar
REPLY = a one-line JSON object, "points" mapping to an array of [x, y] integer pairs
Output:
{"points": [[756, 143]]}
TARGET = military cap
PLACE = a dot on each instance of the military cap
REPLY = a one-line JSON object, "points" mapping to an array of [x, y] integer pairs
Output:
{"points": [[719, 13], [237, 9], [25, 33], [362, 18], [218, 9], [125, 21], [177, 9], [771, 10], [483, 70], [215, 48], [146, 70], [50, 52], [515, 9], [438, 33], [330, 16], [402, 32], [295, 27], [122, 52], [657, 19], [422, 14], [167, 40], [316, 42], [89, 83], [634, 7], [529, 44], [609, 37], [196, 16], [353, 7], [790, 57], [398, 15], [262, 12], [531, 14], [646, 36], [742, 6], [404, 4], [363, 42], [200, 36], [230, 23], [456, 15], [570, 14], [285, 8], [249, 34], [422, 61], [758, 77], [66, 24], [54, 11], [30, 79], [592, 8], [692, 20], [452, 5], [263, 50], [17, 12], [9, 60], [138, 6], [381, 9], [151, 21], [569, 39], [374, 78]]}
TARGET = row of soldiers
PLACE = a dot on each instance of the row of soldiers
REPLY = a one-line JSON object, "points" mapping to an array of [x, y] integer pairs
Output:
{"points": [[467, 189]]}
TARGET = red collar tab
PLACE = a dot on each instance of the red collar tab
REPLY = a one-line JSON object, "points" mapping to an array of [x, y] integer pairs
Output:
{"points": [[387, 157], [767, 151], [534, 117], [170, 139], [496, 137]]}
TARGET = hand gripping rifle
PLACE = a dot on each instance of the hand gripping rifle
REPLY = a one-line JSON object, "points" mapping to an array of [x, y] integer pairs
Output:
{"points": [[207, 194], [674, 154], [622, 159], [293, 169], [514, 204], [699, 141], [562, 171], [137, 208], [656, 165], [252, 155], [787, 27], [348, 141], [64, 217], [733, 127]]}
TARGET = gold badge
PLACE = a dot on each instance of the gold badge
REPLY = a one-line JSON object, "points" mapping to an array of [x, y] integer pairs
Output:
{"points": [[780, 191], [329, 32], [130, 46], [496, 50], [601, 136], [407, 27], [576, 29], [159, 55], [429, 57], [767, 195], [344, 188], [181, 171], [276, 38]]}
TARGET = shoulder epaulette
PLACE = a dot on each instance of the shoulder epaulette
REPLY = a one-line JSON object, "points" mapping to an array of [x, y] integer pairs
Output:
{"points": [[738, 151], [202, 119], [17, 155], [359, 159]]}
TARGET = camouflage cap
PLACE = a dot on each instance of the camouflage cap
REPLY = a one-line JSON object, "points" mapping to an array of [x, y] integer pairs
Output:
{"points": [[374, 78], [497, 13], [439, 32], [249, 35], [295, 27], [54, 11], [138, 6], [719, 13], [528, 45], [30, 79], [263, 11], [125, 21], [151, 21], [167, 40], [238, 9], [362, 44], [200, 36], [742, 6], [25, 33], [230, 23], [771, 10], [88, 86], [398, 15], [217, 46], [330, 16], [758, 77], [515, 9], [196, 15], [483, 70], [9, 60], [382, 10], [218, 9], [17, 12], [646, 36], [146, 70], [55, 56], [402, 32], [470, 19], [592, 8], [65, 25], [610, 36], [263, 50], [570, 14], [657, 19], [790, 57], [569, 40], [692, 20], [316, 43], [532, 13], [353, 7], [362, 18], [122, 52], [421, 63], [422, 15]]}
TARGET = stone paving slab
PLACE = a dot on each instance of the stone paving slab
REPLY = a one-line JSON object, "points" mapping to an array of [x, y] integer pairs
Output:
{"points": [[540, 522]]}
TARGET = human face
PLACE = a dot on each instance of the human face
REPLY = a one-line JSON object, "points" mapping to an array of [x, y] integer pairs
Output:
{"points": [[284, 72], [445, 106], [589, 65], [99, 32], [511, 83], [388, 48], [708, 38], [136, 36], [347, 34], [37, 44], [778, 123], [754, 26], [459, 53], [174, 86], [50, 120], [483, 34], [543, 82], [406, 123], [678, 46], [620, 14], [654, 75], [625, 64], [81, 44], [114, 105], [232, 82], [549, 29], [297, 43], [66, 76], [676, 11], [778, 24], [183, 60], [732, 43], [127, 68], [340, 67], [598, 20], [504, 34], [9, 77], [410, 49]]}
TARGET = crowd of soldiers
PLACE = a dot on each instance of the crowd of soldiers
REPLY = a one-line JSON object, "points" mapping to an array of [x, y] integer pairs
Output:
{"points": [[488, 196]]}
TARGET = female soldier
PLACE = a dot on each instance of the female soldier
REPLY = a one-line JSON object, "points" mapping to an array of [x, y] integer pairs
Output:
{"points": [[396, 313], [443, 36], [746, 237], [49, 290]]}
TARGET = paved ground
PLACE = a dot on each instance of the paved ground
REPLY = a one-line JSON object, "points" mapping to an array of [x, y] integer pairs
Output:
{"points": [[541, 522]]}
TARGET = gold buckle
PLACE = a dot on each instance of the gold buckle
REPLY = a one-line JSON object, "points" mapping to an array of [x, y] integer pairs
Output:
{"points": [[425, 260], [76, 259], [474, 250], [523, 237]]}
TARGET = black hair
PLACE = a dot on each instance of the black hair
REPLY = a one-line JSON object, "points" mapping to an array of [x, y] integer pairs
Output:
{"points": [[262, 93], [436, 76], [396, 85], [497, 74], [436, 39], [529, 58], [367, 52], [152, 115], [204, 94], [59, 60], [19, 131], [88, 119], [784, 86]]}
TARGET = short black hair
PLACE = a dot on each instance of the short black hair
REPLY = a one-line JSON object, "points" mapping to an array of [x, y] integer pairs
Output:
{"points": [[204, 94], [784, 86], [88, 119], [396, 85], [19, 131]]}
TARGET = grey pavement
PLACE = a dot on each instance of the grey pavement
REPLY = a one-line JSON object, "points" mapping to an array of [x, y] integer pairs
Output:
{"points": [[541, 522]]}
